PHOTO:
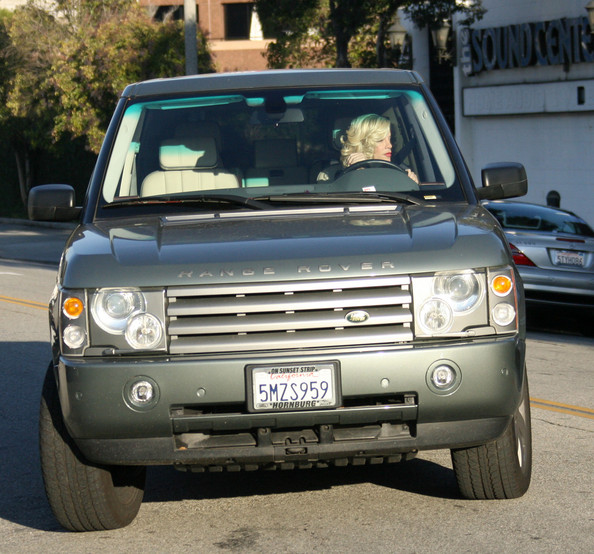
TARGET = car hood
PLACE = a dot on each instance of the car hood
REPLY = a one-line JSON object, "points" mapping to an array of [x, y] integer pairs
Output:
{"points": [[281, 245]]}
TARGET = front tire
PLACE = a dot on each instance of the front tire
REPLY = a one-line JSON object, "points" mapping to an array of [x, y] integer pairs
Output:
{"points": [[83, 496], [502, 468]]}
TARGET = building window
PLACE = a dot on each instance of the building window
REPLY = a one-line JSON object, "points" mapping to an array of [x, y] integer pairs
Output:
{"points": [[238, 21]]}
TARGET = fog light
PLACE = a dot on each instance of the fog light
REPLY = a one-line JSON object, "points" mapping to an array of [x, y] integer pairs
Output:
{"points": [[141, 393], [74, 336], [503, 314], [443, 377]]}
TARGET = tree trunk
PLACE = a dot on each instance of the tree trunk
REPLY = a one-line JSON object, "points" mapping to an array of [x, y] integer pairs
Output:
{"points": [[380, 46], [342, 50], [24, 174]]}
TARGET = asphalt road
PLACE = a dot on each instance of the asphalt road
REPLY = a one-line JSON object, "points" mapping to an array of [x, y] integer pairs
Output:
{"points": [[414, 507], [30, 241]]}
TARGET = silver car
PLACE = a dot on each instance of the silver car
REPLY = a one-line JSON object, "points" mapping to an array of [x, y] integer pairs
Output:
{"points": [[554, 252]]}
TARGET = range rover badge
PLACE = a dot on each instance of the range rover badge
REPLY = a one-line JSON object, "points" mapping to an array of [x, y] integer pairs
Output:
{"points": [[357, 316]]}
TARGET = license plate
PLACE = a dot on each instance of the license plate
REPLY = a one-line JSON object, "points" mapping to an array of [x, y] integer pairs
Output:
{"points": [[294, 387], [575, 259]]}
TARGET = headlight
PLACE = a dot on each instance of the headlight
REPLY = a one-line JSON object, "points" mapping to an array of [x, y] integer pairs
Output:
{"points": [[463, 291], [465, 303], [119, 321], [435, 316], [111, 308], [144, 331], [127, 319]]}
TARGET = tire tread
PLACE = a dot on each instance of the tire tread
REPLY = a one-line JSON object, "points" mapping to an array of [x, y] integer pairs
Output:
{"points": [[82, 496]]}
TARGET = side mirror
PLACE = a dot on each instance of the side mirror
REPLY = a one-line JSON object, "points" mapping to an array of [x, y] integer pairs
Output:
{"points": [[503, 180], [52, 203]]}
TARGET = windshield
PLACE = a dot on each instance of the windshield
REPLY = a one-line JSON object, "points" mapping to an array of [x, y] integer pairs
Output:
{"points": [[278, 146]]}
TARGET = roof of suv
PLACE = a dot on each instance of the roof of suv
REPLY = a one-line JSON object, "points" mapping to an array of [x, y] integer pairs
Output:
{"points": [[285, 78]]}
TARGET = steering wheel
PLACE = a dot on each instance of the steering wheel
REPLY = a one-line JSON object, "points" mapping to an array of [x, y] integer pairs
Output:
{"points": [[373, 163]]}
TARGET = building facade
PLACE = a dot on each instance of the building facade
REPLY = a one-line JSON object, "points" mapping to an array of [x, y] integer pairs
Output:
{"points": [[524, 91], [232, 28]]}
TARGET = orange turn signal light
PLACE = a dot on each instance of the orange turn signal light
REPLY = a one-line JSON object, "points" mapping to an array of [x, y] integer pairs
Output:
{"points": [[73, 307], [501, 285]]}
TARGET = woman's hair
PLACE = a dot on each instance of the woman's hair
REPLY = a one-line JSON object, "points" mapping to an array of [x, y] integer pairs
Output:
{"points": [[363, 134]]}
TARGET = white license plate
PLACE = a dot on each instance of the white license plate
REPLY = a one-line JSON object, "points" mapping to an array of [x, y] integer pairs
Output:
{"points": [[294, 387], [575, 259]]}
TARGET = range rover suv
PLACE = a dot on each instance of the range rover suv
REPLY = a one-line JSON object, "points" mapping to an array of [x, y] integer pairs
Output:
{"points": [[219, 306]]}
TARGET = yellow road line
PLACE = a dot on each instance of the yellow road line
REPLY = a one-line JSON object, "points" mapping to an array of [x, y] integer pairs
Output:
{"points": [[21, 302], [562, 408]]}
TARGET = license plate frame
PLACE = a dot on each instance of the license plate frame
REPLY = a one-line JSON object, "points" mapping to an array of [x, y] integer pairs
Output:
{"points": [[568, 258], [290, 387]]}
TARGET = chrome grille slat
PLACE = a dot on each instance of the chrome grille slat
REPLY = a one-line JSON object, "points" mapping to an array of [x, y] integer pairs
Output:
{"points": [[263, 288], [289, 315], [303, 339], [259, 303], [282, 321]]}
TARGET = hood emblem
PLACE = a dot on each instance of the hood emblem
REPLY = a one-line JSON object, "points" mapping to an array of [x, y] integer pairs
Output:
{"points": [[357, 316]]}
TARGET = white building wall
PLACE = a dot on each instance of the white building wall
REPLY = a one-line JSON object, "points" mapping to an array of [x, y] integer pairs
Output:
{"points": [[534, 115]]}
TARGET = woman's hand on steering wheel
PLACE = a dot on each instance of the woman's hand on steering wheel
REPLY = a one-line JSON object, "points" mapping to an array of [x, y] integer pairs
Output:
{"points": [[381, 163]]}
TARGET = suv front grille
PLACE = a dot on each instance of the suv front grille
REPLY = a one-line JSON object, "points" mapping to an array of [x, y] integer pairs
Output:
{"points": [[287, 315]]}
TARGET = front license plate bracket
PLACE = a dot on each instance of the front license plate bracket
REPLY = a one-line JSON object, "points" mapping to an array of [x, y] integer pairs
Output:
{"points": [[293, 387]]}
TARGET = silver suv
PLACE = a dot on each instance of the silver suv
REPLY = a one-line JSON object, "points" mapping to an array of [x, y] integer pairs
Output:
{"points": [[238, 295]]}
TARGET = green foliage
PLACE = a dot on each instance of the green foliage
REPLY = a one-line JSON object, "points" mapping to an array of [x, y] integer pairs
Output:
{"points": [[89, 50], [346, 33], [6, 70], [432, 13], [295, 26], [63, 65]]}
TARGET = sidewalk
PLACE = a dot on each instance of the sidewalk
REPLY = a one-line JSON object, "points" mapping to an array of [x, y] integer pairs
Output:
{"points": [[33, 241]]}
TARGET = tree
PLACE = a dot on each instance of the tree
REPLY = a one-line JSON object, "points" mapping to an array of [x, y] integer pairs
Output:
{"points": [[67, 80], [5, 62], [292, 25], [311, 32], [321, 32]]}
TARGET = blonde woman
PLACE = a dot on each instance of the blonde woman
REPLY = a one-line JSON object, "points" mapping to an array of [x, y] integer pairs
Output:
{"points": [[368, 138]]}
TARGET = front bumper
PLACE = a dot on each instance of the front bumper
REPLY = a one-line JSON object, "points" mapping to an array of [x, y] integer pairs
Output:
{"points": [[200, 416]]}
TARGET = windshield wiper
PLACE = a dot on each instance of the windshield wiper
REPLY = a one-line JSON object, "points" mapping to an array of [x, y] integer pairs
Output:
{"points": [[343, 198], [241, 201]]}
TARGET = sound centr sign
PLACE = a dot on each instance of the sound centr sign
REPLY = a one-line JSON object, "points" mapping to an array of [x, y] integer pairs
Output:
{"points": [[560, 41]]}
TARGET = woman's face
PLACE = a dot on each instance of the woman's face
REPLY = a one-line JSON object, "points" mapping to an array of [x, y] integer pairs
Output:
{"points": [[383, 150]]}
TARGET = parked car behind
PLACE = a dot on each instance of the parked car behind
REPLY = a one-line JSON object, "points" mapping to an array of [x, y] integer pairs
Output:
{"points": [[554, 252]]}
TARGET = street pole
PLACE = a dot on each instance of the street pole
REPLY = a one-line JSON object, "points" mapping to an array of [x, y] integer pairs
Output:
{"points": [[190, 37]]}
